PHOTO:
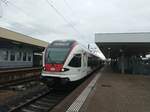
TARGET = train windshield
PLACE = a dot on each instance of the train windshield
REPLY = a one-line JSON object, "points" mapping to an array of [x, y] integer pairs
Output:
{"points": [[56, 55]]}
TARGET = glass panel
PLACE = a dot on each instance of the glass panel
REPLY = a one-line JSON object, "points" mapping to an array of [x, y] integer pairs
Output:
{"points": [[29, 57], [76, 61], [56, 55], [19, 55], [24, 56], [3, 55], [12, 56]]}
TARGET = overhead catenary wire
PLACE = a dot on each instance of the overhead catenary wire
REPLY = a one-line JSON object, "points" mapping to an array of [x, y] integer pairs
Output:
{"points": [[67, 20], [67, 4], [6, 2], [54, 8], [1, 9], [62, 16], [71, 10], [19, 9]]}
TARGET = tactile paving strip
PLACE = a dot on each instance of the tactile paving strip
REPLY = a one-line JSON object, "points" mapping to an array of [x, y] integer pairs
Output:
{"points": [[77, 104]]}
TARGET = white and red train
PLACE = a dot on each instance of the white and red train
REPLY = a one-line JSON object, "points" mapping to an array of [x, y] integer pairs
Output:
{"points": [[67, 61]]}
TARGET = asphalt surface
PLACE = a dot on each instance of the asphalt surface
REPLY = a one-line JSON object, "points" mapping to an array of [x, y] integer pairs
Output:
{"points": [[116, 92]]}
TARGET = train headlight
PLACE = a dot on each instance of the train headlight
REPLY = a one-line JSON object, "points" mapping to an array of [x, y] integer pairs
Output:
{"points": [[64, 69]]}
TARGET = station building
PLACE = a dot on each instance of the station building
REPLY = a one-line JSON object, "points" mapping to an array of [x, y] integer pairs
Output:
{"points": [[18, 50], [127, 51]]}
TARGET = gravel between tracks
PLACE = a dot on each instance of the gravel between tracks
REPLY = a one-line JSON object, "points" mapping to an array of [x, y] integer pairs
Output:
{"points": [[6, 94]]}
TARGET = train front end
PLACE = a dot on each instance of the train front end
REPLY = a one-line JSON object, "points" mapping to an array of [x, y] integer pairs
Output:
{"points": [[55, 55]]}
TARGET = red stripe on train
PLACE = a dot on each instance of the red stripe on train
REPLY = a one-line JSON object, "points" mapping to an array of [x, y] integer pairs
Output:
{"points": [[53, 67]]}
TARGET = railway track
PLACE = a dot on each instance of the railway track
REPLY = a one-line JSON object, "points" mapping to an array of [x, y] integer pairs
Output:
{"points": [[18, 76], [23, 83], [42, 100], [28, 101], [42, 103], [17, 82]]}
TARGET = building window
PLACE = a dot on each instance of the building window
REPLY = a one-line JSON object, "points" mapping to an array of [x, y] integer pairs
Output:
{"points": [[24, 56], [76, 61], [19, 55], [29, 57], [4, 55], [12, 56]]}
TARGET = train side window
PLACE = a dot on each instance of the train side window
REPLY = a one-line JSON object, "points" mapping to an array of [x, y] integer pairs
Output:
{"points": [[89, 61], [76, 61], [12, 56], [24, 56], [84, 59], [19, 55]]}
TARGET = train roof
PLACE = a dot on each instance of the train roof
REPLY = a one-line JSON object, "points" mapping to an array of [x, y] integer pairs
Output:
{"points": [[21, 38], [62, 43], [69, 43]]}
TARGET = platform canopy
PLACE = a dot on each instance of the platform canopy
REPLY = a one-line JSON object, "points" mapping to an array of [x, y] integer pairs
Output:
{"points": [[114, 44], [17, 38]]}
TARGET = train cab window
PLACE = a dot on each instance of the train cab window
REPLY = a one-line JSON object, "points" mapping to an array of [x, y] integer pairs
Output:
{"points": [[19, 55], [12, 56], [24, 56], [56, 54], [76, 61]]}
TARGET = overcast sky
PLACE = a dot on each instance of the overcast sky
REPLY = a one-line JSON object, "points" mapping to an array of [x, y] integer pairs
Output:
{"points": [[77, 19]]}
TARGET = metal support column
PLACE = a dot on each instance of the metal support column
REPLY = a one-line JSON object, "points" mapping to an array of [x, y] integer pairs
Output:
{"points": [[122, 64]]}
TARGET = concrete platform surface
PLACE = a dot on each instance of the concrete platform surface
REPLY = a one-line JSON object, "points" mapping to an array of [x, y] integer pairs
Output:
{"points": [[116, 92]]}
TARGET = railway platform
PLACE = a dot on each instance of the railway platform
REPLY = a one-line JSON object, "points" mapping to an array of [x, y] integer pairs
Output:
{"points": [[115, 92]]}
